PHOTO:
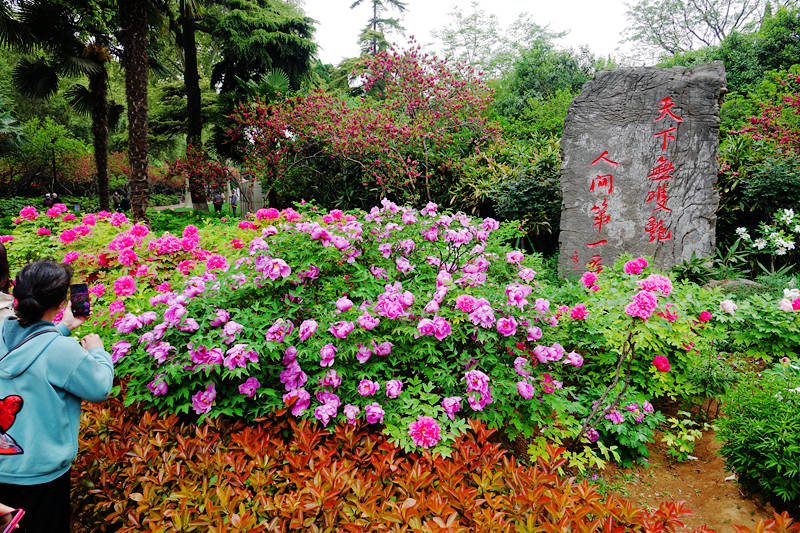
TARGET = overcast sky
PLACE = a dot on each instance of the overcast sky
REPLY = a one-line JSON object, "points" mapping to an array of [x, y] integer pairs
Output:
{"points": [[595, 23]]}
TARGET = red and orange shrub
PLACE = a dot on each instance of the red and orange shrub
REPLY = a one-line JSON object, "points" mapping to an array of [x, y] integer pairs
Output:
{"points": [[140, 472]]}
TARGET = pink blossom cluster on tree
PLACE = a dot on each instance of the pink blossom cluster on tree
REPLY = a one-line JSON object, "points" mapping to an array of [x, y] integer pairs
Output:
{"points": [[418, 118]]}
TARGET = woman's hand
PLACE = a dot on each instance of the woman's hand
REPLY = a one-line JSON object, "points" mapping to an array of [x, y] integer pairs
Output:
{"points": [[71, 321], [92, 340]]}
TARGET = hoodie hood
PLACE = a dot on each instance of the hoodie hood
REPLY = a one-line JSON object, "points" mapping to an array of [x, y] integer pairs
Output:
{"points": [[15, 363]]}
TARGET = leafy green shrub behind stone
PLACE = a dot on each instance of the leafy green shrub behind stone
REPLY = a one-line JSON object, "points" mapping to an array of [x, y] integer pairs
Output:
{"points": [[761, 434]]}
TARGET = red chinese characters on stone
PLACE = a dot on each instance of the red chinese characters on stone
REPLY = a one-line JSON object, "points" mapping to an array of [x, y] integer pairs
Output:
{"points": [[660, 196], [595, 264], [657, 230], [662, 170], [665, 136], [602, 157], [574, 258], [600, 217], [606, 181], [666, 105]]}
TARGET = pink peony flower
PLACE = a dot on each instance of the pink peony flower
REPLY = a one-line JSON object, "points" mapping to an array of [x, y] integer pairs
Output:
{"points": [[69, 257], [351, 412], [127, 257], [344, 304], [574, 359], [374, 413], [217, 262], [28, 212], [635, 266], [615, 417], [515, 257], [368, 321], [661, 363], [425, 432], [656, 283], [124, 286], [43, 231], [578, 312], [507, 326], [68, 236], [97, 290], [643, 305], [705, 316], [588, 279], [279, 330], [466, 303], [451, 405], [325, 412], [525, 389], [534, 333], [118, 219]]}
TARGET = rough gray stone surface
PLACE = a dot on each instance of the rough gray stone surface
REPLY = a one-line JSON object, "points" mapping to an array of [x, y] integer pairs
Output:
{"points": [[617, 112]]}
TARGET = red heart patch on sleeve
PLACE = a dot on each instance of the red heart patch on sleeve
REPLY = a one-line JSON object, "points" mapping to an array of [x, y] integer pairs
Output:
{"points": [[9, 407]]}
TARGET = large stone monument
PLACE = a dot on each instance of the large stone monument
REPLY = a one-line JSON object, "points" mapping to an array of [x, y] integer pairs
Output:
{"points": [[639, 162]]}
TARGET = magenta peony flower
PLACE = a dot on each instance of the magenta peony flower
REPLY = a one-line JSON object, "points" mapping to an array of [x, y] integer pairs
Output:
{"points": [[307, 328], [249, 387], [69, 257], [28, 212], [368, 321], [705, 316], [119, 350], [68, 236], [574, 359], [507, 326], [203, 400], [299, 399], [642, 306], [368, 388], [157, 386], [344, 304], [393, 388], [466, 303], [615, 417], [424, 432], [43, 231], [374, 413], [534, 333], [327, 354], [341, 329], [656, 283], [325, 412], [635, 266], [515, 257]]}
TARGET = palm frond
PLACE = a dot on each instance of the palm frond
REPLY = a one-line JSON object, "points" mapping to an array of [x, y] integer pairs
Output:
{"points": [[277, 79], [74, 65], [157, 67], [80, 98], [13, 34], [35, 78]]}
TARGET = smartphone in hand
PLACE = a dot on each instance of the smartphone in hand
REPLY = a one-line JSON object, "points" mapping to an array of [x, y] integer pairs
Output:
{"points": [[10, 520], [79, 299]]}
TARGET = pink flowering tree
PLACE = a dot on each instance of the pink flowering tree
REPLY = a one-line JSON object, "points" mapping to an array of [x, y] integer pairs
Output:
{"points": [[419, 116]]}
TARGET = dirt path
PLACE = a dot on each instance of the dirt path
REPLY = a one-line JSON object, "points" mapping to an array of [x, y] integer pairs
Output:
{"points": [[713, 501]]}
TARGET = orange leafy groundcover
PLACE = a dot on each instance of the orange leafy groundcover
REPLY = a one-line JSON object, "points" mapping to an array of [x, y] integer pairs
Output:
{"points": [[137, 471]]}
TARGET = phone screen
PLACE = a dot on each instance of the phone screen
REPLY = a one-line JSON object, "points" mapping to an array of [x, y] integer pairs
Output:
{"points": [[79, 298]]}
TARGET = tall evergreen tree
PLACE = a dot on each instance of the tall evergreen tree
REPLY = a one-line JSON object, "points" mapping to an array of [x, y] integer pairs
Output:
{"points": [[373, 36]]}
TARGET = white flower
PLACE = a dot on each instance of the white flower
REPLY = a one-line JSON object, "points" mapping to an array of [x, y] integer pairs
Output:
{"points": [[791, 294], [728, 306], [785, 305], [780, 251], [797, 228], [787, 216], [760, 243], [742, 232]]}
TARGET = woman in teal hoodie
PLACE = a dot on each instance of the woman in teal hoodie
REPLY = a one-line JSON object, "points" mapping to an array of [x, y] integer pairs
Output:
{"points": [[44, 375]]}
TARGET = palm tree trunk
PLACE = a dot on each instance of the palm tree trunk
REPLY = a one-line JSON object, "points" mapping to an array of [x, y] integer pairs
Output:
{"points": [[133, 18], [98, 86], [191, 81]]}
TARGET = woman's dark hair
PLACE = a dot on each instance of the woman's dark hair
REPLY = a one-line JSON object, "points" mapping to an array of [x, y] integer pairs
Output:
{"points": [[3, 269], [40, 286]]}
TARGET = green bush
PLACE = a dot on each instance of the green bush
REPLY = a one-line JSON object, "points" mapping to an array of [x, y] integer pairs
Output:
{"points": [[761, 434]]}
